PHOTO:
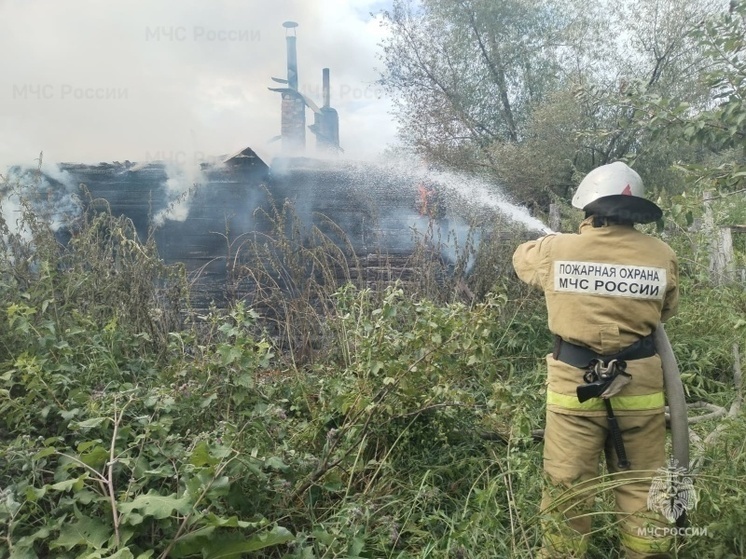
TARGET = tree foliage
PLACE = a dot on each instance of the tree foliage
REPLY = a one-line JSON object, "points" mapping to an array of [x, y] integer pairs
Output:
{"points": [[532, 93], [467, 73], [717, 129]]}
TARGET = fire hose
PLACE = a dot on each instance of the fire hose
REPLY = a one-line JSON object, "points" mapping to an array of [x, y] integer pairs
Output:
{"points": [[676, 404], [675, 397]]}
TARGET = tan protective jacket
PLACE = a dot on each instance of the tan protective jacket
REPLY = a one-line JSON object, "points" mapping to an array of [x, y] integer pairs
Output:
{"points": [[605, 288]]}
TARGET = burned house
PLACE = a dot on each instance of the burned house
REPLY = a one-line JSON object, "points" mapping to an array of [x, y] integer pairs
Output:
{"points": [[213, 216]]}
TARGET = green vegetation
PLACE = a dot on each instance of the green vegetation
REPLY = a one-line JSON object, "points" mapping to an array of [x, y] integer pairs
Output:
{"points": [[131, 427]]}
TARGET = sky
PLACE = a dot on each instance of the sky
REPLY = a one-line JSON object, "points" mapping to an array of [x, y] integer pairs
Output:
{"points": [[180, 80]]}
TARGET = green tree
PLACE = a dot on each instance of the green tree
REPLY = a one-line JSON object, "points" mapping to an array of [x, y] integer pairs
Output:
{"points": [[655, 49], [718, 129], [530, 93], [466, 73]]}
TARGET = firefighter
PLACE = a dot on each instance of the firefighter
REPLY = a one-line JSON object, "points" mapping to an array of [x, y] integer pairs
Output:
{"points": [[606, 289]]}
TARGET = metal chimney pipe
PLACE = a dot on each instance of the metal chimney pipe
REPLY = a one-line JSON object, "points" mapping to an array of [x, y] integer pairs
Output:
{"points": [[325, 81], [293, 120], [292, 54]]}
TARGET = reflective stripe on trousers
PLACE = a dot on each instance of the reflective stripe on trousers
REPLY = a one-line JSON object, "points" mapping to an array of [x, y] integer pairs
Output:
{"points": [[619, 403]]}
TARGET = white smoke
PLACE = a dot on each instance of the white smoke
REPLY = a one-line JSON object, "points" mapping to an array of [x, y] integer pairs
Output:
{"points": [[182, 182], [46, 193], [66, 201], [11, 212]]}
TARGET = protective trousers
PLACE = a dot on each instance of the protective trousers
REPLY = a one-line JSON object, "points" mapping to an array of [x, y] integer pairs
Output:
{"points": [[572, 448]]}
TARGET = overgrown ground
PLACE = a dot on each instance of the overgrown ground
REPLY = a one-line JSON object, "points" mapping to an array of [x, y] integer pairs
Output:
{"points": [[403, 427]]}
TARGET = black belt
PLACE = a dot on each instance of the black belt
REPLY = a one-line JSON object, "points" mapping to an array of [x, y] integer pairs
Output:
{"points": [[581, 356]]}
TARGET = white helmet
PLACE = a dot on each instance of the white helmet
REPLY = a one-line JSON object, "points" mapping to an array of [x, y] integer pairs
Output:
{"points": [[615, 190]]}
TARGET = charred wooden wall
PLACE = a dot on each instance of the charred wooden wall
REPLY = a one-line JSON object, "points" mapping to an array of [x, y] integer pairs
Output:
{"points": [[208, 225]]}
